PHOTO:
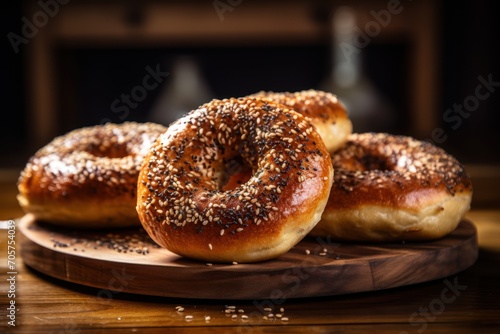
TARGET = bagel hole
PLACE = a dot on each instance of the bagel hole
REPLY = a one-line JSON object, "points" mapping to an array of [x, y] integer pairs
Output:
{"points": [[372, 162], [112, 150], [236, 172]]}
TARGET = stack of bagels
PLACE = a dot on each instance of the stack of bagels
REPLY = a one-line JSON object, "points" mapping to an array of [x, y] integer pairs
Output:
{"points": [[245, 179]]}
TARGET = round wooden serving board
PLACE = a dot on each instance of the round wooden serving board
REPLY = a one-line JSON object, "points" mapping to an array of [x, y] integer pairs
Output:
{"points": [[129, 261]]}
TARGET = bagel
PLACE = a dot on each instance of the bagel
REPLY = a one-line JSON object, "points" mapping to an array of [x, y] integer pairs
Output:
{"points": [[325, 111], [181, 201], [394, 188], [88, 177]]}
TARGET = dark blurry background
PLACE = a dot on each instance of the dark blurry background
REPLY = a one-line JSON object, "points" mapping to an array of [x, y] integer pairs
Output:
{"points": [[85, 63]]}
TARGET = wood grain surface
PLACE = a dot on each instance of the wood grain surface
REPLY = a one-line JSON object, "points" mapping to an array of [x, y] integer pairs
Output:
{"points": [[128, 261], [46, 304]]}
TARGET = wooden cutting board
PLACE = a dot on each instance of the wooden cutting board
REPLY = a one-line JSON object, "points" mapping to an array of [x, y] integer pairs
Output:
{"points": [[129, 261]]}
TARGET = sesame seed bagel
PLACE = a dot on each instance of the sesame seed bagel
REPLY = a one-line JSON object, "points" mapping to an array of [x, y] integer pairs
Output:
{"points": [[88, 177], [394, 188], [181, 201], [325, 111]]}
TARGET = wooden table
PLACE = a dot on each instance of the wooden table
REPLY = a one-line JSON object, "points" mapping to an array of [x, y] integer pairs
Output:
{"points": [[468, 302]]}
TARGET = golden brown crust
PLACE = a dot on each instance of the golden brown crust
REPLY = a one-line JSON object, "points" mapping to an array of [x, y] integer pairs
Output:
{"points": [[181, 203], [325, 110], [390, 188], [88, 177]]}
